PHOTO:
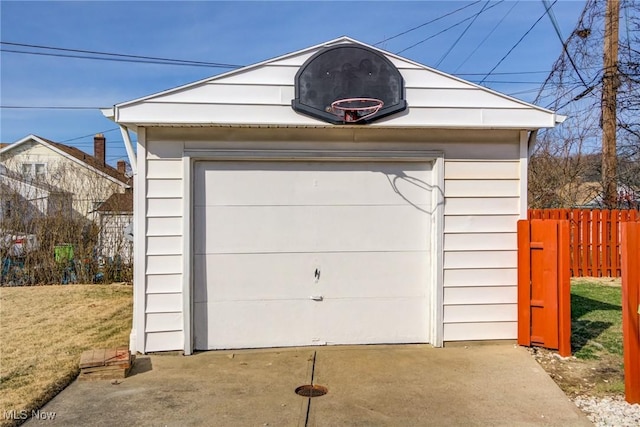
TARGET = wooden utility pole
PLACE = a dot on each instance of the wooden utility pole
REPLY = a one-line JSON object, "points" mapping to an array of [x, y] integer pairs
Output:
{"points": [[610, 83]]}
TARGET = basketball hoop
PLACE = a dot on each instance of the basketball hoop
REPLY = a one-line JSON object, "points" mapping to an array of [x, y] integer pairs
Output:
{"points": [[356, 109]]}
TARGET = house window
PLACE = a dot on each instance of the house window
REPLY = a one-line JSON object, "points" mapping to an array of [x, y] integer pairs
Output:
{"points": [[34, 170]]}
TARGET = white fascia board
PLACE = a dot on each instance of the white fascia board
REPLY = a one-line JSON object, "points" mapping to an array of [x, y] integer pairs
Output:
{"points": [[109, 113], [63, 154]]}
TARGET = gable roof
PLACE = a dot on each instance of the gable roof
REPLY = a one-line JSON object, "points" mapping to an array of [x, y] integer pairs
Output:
{"points": [[268, 90], [76, 155]]}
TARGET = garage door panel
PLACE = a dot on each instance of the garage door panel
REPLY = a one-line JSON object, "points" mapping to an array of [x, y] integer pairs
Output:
{"points": [[372, 321], [254, 324], [310, 229], [311, 183], [254, 229], [253, 277], [376, 275]]}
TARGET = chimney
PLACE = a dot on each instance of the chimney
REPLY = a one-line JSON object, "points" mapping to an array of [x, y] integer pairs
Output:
{"points": [[122, 167], [99, 148]]}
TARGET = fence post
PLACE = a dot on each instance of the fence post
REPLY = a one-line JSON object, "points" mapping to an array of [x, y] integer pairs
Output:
{"points": [[564, 289], [524, 283], [631, 309]]}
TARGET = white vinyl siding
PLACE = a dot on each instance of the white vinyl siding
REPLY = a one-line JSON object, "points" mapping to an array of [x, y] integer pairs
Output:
{"points": [[262, 94], [164, 321], [480, 249], [481, 213]]}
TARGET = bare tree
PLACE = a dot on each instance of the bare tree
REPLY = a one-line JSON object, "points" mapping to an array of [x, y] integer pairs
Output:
{"points": [[574, 88]]}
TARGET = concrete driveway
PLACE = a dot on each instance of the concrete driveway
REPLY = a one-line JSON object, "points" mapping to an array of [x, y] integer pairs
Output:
{"points": [[407, 385]]}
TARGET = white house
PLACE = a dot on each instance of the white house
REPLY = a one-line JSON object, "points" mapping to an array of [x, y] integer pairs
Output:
{"points": [[91, 181], [262, 220]]}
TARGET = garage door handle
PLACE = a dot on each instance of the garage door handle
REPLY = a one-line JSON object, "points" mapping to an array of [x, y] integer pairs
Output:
{"points": [[317, 297]]}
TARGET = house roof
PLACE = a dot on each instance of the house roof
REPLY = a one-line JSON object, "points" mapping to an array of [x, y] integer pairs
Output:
{"points": [[75, 155], [208, 103], [3, 144], [118, 203]]}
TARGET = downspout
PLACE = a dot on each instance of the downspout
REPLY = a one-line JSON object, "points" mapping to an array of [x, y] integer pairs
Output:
{"points": [[127, 145]]}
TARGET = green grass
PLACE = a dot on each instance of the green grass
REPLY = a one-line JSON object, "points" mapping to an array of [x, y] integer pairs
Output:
{"points": [[596, 319]]}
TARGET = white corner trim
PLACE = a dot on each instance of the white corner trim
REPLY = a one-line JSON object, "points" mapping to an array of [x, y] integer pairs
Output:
{"points": [[524, 165], [140, 247], [187, 255], [437, 249]]}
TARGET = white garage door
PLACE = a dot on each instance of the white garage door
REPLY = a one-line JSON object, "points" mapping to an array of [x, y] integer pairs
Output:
{"points": [[303, 253]]}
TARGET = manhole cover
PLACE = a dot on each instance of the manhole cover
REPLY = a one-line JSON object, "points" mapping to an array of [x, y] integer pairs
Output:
{"points": [[309, 390]]}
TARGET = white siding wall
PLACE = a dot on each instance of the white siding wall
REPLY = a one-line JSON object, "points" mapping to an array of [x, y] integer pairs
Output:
{"points": [[163, 257], [482, 206], [481, 211]]}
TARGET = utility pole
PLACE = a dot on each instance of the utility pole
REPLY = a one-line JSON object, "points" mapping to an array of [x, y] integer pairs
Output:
{"points": [[610, 83]]}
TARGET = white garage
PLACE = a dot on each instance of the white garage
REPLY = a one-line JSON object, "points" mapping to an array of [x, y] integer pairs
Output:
{"points": [[303, 253], [335, 195]]}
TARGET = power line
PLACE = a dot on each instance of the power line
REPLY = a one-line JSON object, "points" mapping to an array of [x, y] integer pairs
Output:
{"points": [[473, 52], [445, 30], [141, 61], [426, 23], [50, 107], [442, 58], [91, 134], [122, 55], [517, 43]]}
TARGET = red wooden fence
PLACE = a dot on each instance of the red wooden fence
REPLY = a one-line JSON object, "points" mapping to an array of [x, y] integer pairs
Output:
{"points": [[594, 238], [631, 310], [544, 291]]}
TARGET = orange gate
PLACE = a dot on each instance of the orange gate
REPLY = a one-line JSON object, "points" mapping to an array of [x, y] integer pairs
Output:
{"points": [[631, 309], [544, 292]]}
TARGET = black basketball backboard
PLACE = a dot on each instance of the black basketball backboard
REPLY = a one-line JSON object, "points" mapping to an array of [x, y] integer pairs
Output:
{"points": [[347, 72]]}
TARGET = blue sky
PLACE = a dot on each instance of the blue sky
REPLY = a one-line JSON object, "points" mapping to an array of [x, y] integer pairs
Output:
{"points": [[241, 33]]}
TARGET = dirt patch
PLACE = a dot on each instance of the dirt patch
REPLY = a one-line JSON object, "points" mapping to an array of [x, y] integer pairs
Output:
{"points": [[576, 377]]}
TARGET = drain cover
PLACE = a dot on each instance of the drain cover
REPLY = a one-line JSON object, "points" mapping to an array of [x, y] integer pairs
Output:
{"points": [[311, 390]]}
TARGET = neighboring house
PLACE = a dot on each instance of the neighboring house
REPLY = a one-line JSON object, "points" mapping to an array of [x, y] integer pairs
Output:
{"points": [[115, 216], [24, 200], [264, 219], [89, 178]]}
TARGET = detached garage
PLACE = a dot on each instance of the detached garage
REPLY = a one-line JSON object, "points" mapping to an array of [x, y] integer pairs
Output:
{"points": [[336, 195]]}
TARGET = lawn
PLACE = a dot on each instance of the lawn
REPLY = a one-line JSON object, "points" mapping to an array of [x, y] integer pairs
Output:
{"points": [[596, 367], [43, 331]]}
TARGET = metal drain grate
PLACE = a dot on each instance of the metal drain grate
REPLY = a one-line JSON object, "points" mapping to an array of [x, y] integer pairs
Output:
{"points": [[311, 390]]}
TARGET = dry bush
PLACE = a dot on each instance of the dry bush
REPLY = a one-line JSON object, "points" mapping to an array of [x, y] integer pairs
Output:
{"points": [[43, 210]]}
